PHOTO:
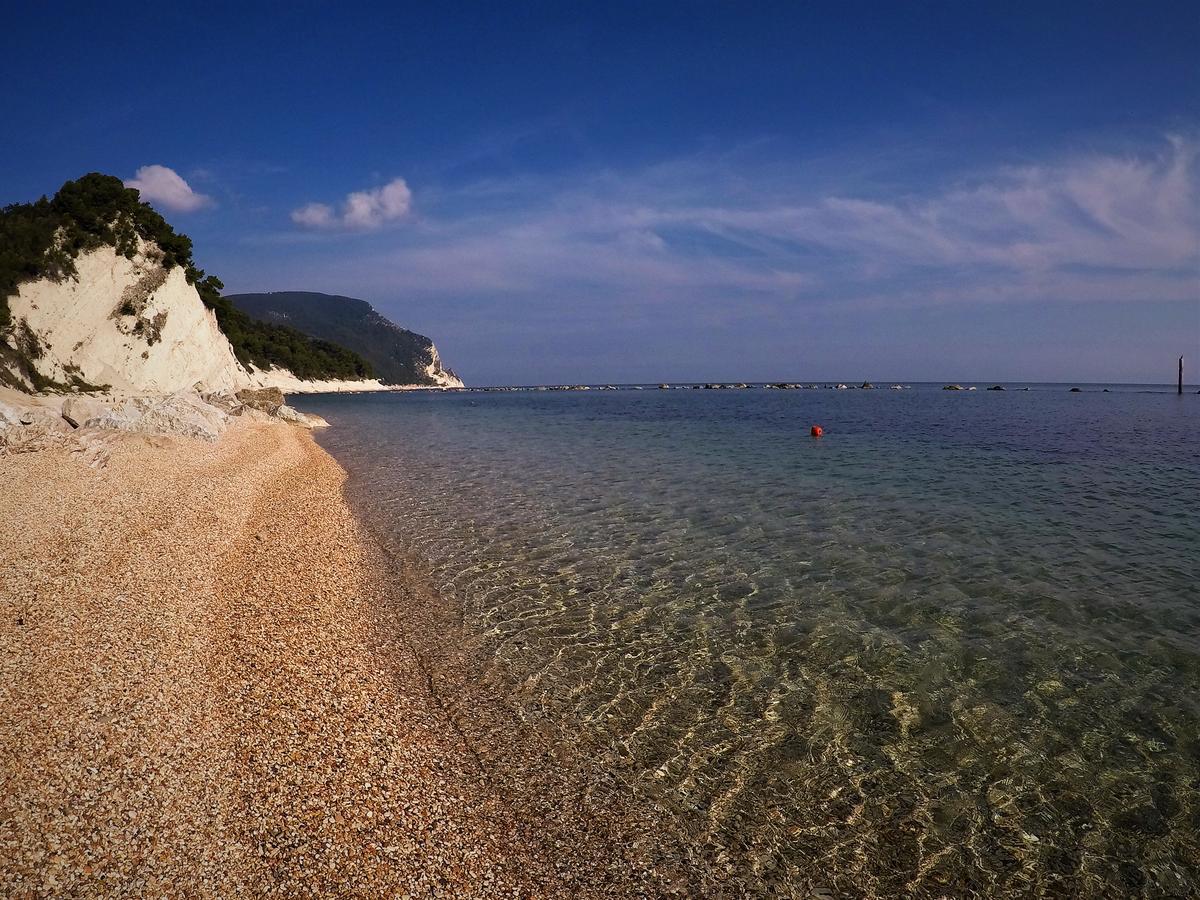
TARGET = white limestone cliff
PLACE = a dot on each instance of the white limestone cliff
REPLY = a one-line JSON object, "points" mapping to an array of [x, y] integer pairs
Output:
{"points": [[129, 324], [441, 376]]}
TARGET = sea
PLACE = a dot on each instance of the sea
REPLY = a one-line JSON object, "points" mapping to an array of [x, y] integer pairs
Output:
{"points": [[949, 648]]}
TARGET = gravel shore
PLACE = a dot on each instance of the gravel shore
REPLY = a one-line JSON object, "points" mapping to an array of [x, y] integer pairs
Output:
{"points": [[211, 686]]}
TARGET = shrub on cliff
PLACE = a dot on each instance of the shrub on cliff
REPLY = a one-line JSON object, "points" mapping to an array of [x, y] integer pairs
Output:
{"points": [[43, 239]]}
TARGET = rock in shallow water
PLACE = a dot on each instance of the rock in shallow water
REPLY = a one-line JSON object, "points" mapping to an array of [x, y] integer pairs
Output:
{"points": [[305, 420]]}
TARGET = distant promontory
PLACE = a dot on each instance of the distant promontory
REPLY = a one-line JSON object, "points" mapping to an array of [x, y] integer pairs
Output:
{"points": [[397, 356]]}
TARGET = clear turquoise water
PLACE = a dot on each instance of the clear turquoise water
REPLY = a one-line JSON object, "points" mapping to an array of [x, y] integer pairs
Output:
{"points": [[952, 648]]}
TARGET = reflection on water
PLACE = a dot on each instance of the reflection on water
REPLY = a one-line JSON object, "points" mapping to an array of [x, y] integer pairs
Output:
{"points": [[952, 648]]}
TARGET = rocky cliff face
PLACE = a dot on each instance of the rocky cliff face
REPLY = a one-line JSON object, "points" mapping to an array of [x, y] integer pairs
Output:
{"points": [[124, 324], [398, 356], [129, 325], [435, 371]]}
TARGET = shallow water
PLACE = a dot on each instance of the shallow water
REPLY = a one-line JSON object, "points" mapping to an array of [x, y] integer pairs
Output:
{"points": [[951, 648]]}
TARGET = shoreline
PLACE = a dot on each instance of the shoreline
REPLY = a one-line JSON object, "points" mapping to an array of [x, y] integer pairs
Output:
{"points": [[213, 682]]}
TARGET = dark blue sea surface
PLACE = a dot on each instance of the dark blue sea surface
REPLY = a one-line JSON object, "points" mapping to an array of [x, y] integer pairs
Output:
{"points": [[951, 648]]}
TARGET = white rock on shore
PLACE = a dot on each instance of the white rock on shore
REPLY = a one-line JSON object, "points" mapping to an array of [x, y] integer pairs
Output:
{"points": [[290, 384], [31, 422], [181, 414]]}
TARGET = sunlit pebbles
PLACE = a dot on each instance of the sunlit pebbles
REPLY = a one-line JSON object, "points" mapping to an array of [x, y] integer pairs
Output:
{"points": [[953, 647]]}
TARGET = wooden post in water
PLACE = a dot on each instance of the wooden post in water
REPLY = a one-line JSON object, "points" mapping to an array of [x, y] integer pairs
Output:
{"points": [[1180, 387]]}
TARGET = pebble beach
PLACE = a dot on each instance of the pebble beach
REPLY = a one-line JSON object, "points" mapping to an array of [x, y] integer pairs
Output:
{"points": [[210, 686]]}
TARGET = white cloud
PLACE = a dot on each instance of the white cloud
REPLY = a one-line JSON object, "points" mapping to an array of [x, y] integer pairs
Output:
{"points": [[313, 215], [1079, 228], [361, 211], [166, 188], [706, 234]]}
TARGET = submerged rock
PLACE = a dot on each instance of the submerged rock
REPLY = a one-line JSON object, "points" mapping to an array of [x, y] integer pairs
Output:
{"points": [[997, 387]]}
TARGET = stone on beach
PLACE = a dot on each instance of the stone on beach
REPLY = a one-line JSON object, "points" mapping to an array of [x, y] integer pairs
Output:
{"points": [[79, 410], [268, 400], [31, 421], [184, 414]]}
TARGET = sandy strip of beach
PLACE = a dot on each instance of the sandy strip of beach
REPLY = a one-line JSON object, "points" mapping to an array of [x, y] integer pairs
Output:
{"points": [[205, 690]]}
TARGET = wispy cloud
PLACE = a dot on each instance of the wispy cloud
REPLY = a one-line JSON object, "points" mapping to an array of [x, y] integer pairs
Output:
{"points": [[1087, 227], [712, 239], [361, 210], [1101, 213], [711, 258], [165, 187]]}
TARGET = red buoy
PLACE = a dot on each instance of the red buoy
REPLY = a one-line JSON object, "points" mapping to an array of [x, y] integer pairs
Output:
{"points": [[817, 431]]}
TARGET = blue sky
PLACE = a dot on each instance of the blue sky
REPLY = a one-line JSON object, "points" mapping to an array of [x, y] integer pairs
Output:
{"points": [[652, 191]]}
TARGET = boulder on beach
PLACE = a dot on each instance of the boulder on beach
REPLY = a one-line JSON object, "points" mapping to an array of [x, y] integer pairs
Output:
{"points": [[268, 399], [184, 414], [45, 418], [9, 415], [77, 411]]}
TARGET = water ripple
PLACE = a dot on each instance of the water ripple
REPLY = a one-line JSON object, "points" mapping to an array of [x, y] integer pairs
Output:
{"points": [[952, 648]]}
